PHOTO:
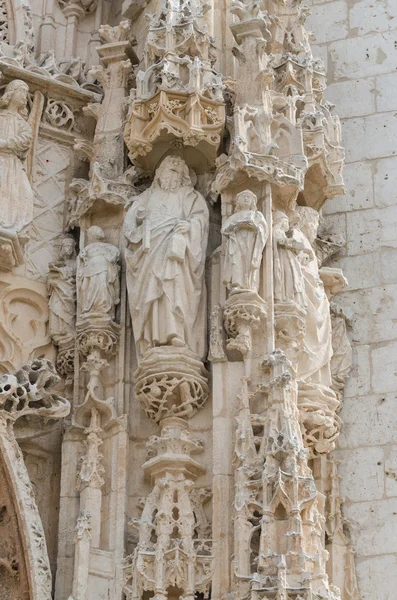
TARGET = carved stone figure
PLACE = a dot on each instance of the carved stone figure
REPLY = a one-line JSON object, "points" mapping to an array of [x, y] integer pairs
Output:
{"points": [[62, 290], [16, 194], [288, 278], [98, 276], [245, 233], [314, 363], [167, 230]]}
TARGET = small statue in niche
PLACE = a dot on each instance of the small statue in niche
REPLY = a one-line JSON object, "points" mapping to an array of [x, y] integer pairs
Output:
{"points": [[16, 194], [98, 285], [246, 233], [167, 231], [287, 248], [62, 289]]}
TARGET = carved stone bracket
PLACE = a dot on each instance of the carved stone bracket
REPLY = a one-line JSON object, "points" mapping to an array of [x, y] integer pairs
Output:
{"points": [[171, 381], [11, 249], [243, 313], [320, 423]]}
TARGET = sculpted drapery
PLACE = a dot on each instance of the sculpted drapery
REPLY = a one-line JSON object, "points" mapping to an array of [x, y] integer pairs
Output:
{"points": [[62, 289], [98, 276], [314, 364], [246, 233], [16, 194], [167, 231]]}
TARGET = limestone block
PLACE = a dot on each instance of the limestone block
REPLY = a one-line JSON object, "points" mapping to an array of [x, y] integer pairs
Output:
{"points": [[353, 98], [362, 271], [385, 85], [362, 472], [368, 16], [391, 471], [349, 56], [370, 137], [375, 525], [335, 15], [359, 192], [358, 383], [373, 312], [384, 374], [389, 265], [385, 189], [374, 577], [368, 421], [363, 231]]}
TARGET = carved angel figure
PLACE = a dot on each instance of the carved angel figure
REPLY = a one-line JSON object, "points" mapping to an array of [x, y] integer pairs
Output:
{"points": [[62, 289], [288, 277], [16, 194], [98, 276], [246, 233], [167, 231]]}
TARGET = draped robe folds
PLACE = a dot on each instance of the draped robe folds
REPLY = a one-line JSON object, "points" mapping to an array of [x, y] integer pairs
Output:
{"points": [[288, 277], [314, 363], [98, 279], [166, 291], [61, 285], [244, 249], [16, 194]]}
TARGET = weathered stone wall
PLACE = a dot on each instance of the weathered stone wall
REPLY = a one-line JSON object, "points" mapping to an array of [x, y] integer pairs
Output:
{"points": [[358, 42]]}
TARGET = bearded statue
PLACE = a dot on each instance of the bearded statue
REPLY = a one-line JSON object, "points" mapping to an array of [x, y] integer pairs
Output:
{"points": [[167, 231]]}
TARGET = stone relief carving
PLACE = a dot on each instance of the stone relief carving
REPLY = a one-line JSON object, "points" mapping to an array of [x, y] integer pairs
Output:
{"points": [[61, 284], [246, 233], [28, 392], [16, 194], [167, 230], [98, 277]]}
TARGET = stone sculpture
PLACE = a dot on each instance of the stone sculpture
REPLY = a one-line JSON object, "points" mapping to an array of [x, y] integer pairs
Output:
{"points": [[314, 363], [288, 277], [62, 291], [245, 234], [16, 194], [98, 276], [167, 231]]}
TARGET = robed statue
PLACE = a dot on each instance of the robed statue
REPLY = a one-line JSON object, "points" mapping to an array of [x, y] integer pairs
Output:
{"points": [[314, 363], [61, 285], [167, 231], [16, 194], [287, 268], [98, 286], [245, 233]]}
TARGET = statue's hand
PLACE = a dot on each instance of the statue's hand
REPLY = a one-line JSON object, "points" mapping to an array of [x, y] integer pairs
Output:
{"points": [[182, 227]]}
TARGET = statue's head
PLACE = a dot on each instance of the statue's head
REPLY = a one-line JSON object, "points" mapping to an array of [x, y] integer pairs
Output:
{"points": [[172, 174], [280, 220], [67, 247], [246, 200], [309, 221], [16, 96], [95, 234]]}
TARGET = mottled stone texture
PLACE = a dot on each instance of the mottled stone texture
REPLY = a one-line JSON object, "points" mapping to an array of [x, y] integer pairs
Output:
{"points": [[358, 42]]}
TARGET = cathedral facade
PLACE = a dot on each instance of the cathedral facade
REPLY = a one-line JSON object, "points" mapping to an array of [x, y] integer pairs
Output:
{"points": [[198, 288]]}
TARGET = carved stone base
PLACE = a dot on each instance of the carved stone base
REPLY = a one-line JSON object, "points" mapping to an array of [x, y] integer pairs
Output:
{"points": [[171, 381], [290, 329], [243, 313], [317, 414]]}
